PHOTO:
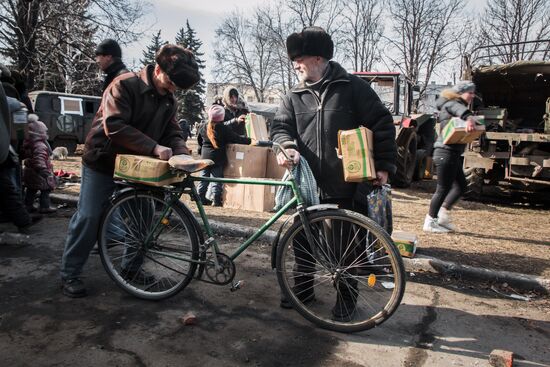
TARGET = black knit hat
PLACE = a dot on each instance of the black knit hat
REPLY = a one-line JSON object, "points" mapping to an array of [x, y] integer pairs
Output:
{"points": [[312, 41], [179, 64], [109, 47]]}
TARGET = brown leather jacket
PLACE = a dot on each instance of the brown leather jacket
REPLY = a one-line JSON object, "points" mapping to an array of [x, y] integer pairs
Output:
{"points": [[132, 119]]}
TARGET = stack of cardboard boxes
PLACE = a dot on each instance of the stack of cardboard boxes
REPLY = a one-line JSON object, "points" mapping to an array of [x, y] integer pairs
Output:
{"points": [[247, 161]]}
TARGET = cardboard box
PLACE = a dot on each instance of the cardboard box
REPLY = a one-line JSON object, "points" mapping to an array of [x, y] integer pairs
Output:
{"points": [[273, 170], [406, 242], [259, 198], [355, 148], [232, 196], [256, 127], [245, 161], [145, 170], [455, 131]]}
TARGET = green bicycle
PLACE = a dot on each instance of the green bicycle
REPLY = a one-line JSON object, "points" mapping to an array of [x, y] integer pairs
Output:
{"points": [[336, 267]]}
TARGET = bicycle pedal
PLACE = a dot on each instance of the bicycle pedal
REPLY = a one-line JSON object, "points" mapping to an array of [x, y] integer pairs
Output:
{"points": [[236, 286]]}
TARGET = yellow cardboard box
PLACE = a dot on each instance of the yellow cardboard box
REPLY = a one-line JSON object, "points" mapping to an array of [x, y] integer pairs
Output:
{"points": [[145, 170], [455, 131], [406, 242], [355, 148]]}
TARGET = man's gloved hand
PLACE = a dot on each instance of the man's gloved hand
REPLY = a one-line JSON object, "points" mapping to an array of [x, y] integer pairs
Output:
{"points": [[284, 162], [162, 152]]}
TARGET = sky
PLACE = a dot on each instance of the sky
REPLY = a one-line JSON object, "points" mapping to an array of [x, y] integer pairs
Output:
{"points": [[204, 17]]}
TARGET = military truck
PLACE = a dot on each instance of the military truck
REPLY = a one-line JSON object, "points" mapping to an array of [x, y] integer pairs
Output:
{"points": [[514, 154], [415, 133], [67, 116]]}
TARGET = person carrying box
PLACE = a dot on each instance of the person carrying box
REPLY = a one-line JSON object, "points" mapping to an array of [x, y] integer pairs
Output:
{"points": [[451, 182]]}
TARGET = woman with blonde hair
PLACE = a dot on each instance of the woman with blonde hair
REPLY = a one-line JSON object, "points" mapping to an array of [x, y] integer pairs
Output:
{"points": [[213, 137], [447, 158]]}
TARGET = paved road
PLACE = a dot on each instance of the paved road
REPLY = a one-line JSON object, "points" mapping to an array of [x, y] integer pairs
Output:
{"points": [[438, 324]]}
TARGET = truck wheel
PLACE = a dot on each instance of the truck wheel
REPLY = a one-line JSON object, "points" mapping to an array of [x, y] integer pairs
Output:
{"points": [[70, 144], [475, 180], [420, 165], [406, 159]]}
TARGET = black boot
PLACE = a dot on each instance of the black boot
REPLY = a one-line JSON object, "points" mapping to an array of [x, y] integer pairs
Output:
{"points": [[204, 200]]}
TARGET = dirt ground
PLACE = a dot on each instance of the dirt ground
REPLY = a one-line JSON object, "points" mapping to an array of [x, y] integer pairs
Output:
{"points": [[503, 236]]}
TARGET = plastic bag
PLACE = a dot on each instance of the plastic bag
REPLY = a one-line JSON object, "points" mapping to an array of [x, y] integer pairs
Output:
{"points": [[306, 183], [379, 207]]}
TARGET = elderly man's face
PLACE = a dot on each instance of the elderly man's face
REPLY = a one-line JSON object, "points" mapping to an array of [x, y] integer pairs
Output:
{"points": [[162, 82], [309, 68]]}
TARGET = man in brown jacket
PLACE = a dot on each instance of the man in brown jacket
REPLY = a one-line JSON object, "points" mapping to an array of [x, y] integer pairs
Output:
{"points": [[136, 116]]}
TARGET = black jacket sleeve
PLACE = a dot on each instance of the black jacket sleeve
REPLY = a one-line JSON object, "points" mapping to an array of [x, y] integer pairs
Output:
{"points": [[283, 128]]}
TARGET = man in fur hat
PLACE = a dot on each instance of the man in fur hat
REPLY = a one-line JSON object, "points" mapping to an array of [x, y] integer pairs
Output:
{"points": [[108, 56], [136, 116], [325, 100]]}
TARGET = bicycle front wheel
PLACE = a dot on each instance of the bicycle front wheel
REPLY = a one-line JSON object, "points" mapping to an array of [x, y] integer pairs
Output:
{"points": [[350, 278], [148, 247]]}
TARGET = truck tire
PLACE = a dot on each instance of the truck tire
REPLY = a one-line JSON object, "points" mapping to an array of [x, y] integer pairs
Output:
{"points": [[475, 180], [406, 159]]}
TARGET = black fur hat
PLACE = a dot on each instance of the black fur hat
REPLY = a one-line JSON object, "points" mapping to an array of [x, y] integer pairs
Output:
{"points": [[180, 65], [109, 47], [312, 41]]}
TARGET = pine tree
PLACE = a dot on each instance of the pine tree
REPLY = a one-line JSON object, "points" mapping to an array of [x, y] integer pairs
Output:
{"points": [[191, 102], [151, 50]]}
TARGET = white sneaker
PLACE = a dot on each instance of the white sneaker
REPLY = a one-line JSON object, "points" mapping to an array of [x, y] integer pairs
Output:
{"points": [[444, 219], [431, 225]]}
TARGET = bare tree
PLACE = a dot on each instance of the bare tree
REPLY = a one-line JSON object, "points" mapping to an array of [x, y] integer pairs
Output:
{"points": [[425, 33], [361, 32], [32, 32], [512, 22], [323, 13], [279, 26], [244, 53]]}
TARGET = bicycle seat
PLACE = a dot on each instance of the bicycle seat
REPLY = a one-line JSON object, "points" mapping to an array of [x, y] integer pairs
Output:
{"points": [[186, 163]]}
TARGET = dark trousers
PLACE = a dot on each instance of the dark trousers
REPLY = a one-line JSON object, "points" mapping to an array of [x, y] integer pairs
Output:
{"points": [[30, 195], [11, 201], [451, 182], [335, 236]]}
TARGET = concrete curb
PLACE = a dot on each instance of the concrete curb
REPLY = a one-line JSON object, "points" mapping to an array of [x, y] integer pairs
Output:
{"points": [[421, 263]]}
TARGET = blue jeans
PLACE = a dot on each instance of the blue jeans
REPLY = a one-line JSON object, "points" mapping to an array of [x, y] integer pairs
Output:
{"points": [[95, 190], [216, 187]]}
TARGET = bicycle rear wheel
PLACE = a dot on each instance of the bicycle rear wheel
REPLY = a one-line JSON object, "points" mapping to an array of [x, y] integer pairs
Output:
{"points": [[350, 279], [147, 247]]}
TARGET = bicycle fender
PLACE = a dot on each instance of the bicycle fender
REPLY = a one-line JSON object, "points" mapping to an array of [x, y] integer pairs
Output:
{"points": [[309, 209]]}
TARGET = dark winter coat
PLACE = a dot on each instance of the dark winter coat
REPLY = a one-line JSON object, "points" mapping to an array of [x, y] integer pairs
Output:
{"points": [[233, 112], [224, 135], [310, 124], [115, 69], [5, 131], [132, 118], [38, 169], [450, 105]]}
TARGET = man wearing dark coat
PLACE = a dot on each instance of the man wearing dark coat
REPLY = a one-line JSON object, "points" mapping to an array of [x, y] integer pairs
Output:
{"points": [[108, 56], [328, 99], [137, 115]]}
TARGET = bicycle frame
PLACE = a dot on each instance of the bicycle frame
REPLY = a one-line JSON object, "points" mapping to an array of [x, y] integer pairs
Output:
{"points": [[188, 187]]}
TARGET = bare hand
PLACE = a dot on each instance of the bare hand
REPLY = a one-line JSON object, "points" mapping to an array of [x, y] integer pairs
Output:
{"points": [[284, 162], [162, 152], [470, 124], [381, 178], [241, 118]]}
